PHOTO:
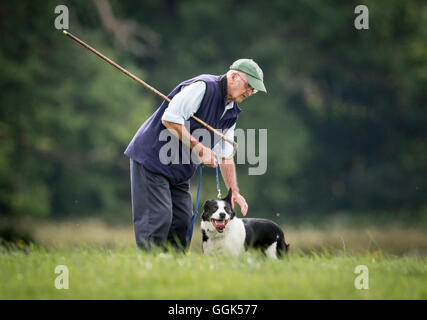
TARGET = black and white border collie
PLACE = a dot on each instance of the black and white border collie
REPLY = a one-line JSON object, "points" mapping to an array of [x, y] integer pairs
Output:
{"points": [[224, 233]]}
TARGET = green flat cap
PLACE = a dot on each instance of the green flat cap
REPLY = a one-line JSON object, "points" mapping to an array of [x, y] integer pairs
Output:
{"points": [[253, 72]]}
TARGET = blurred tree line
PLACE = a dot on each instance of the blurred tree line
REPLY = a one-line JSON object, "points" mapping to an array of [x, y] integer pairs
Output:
{"points": [[345, 110]]}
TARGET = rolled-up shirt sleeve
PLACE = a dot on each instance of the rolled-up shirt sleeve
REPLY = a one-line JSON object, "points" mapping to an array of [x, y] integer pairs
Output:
{"points": [[185, 103], [224, 148]]}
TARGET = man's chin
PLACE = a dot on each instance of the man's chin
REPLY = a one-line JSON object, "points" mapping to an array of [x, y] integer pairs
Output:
{"points": [[240, 99]]}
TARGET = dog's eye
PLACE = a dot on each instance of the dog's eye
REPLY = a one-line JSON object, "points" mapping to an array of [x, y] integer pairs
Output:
{"points": [[228, 210]]}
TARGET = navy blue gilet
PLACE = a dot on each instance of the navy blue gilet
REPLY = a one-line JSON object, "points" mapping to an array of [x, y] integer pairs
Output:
{"points": [[145, 145]]}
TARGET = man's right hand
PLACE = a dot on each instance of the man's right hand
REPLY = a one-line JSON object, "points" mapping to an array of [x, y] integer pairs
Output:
{"points": [[206, 155]]}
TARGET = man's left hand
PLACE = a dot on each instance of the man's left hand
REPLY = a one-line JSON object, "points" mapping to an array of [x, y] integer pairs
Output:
{"points": [[237, 197]]}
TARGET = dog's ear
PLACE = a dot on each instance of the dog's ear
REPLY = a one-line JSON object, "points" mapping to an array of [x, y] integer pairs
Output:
{"points": [[227, 200], [233, 214], [228, 197]]}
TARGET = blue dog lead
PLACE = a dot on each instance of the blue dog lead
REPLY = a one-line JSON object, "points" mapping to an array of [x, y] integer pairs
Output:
{"points": [[194, 216]]}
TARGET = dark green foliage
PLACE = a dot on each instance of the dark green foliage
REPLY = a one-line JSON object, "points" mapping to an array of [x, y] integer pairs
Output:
{"points": [[345, 109]]}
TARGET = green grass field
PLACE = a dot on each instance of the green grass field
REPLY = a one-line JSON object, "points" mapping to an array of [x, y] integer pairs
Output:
{"points": [[117, 270]]}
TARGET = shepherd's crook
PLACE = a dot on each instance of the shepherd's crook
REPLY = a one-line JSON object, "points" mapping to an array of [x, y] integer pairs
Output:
{"points": [[223, 137]]}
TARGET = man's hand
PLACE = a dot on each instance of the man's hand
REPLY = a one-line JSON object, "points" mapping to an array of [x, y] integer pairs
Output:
{"points": [[205, 155], [237, 197]]}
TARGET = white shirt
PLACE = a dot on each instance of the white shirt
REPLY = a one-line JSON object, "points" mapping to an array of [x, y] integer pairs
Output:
{"points": [[186, 103]]}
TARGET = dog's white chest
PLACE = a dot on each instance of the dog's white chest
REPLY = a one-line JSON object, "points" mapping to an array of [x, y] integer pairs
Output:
{"points": [[230, 242]]}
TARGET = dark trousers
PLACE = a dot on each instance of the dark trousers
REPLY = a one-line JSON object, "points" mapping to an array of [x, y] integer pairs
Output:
{"points": [[161, 210]]}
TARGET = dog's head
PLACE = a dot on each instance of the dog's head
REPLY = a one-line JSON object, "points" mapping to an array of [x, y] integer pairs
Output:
{"points": [[217, 213]]}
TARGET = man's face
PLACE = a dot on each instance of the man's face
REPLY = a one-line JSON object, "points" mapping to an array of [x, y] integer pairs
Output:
{"points": [[239, 88]]}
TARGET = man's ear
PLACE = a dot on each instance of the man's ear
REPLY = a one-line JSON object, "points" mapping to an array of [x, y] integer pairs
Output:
{"points": [[235, 77], [228, 197]]}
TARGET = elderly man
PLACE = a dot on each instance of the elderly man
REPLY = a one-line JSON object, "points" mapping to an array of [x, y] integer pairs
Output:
{"points": [[161, 201]]}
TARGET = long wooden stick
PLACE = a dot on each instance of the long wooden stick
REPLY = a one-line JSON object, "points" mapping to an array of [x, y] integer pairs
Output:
{"points": [[131, 75]]}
